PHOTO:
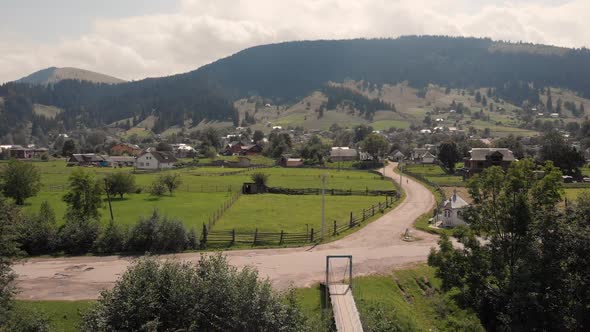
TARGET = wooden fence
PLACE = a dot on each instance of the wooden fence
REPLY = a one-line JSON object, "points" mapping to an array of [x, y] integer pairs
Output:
{"points": [[219, 239], [189, 188], [332, 192], [221, 210]]}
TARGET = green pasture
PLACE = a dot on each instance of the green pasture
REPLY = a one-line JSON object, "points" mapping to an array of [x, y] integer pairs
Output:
{"points": [[64, 316], [291, 213], [435, 174]]}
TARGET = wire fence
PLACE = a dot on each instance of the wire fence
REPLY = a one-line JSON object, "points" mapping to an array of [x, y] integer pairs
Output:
{"points": [[227, 238], [331, 192], [188, 188]]}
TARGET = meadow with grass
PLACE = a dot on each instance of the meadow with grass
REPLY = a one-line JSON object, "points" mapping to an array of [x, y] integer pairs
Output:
{"points": [[435, 174], [205, 189]]}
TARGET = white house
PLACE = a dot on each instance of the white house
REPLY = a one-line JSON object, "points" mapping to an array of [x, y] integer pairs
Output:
{"points": [[452, 211], [427, 158], [155, 160]]}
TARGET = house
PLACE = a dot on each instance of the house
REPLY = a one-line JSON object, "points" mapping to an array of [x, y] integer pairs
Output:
{"points": [[87, 159], [452, 211], [122, 149], [251, 150], [287, 161], [397, 155], [418, 153], [121, 161], [182, 150], [482, 158], [236, 148], [425, 131], [233, 148], [554, 115], [343, 153], [155, 160], [427, 158]]}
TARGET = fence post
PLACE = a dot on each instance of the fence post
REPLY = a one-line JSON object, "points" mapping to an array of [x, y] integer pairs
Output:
{"points": [[204, 240], [281, 240], [350, 223], [233, 236], [311, 235], [255, 236], [334, 234], [364, 215], [366, 191]]}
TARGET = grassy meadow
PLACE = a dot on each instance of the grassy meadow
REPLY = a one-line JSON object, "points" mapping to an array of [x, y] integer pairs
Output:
{"points": [[205, 189], [435, 174]]}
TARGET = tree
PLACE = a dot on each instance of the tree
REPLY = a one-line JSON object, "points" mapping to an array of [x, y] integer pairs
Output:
{"points": [[375, 145], [38, 233], [83, 197], [171, 181], [555, 148], [258, 136], [9, 218], [120, 183], [68, 148], [162, 146], [513, 276], [449, 155], [260, 179], [478, 96], [511, 142], [20, 180], [157, 188], [207, 296], [361, 132]]}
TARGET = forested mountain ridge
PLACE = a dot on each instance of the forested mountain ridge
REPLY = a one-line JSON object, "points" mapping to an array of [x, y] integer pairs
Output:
{"points": [[291, 70]]}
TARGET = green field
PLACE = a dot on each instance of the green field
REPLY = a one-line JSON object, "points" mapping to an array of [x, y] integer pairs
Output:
{"points": [[291, 213], [64, 316], [435, 174], [205, 189]]}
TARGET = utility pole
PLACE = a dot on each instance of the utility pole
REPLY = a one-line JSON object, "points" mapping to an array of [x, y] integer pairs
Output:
{"points": [[106, 188], [323, 205]]}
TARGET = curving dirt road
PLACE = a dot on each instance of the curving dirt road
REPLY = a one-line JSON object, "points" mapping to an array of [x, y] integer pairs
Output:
{"points": [[378, 247]]}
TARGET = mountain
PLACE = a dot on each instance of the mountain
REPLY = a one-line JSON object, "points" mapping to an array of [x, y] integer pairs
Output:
{"points": [[286, 72], [54, 75]]}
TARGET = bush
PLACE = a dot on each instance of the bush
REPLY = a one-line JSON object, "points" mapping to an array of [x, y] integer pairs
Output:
{"points": [[77, 235], [120, 183], [207, 296], [157, 234], [171, 181], [157, 188], [260, 178], [25, 320], [111, 239], [38, 233]]}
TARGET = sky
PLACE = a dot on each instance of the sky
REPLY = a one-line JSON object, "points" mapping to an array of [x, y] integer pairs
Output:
{"points": [[134, 39]]}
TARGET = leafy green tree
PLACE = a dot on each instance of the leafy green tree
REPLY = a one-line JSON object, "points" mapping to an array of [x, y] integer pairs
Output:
{"points": [[207, 296], [258, 136], [511, 142], [171, 181], [120, 183], [261, 179], [38, 233], [376, 146], [361, 132], [78, 234], [157, 188], [9, 218], [555, 148], [512, 277], [315, 150], [111, 239], [83, 197], [449, 155], [20, 180], [68, 148]]}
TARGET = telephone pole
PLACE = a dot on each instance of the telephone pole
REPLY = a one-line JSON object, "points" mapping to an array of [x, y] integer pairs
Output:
{"points": [[106, 188]]}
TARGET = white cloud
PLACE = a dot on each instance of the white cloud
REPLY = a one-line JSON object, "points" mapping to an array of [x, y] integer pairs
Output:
{"points": [[202, 31]]}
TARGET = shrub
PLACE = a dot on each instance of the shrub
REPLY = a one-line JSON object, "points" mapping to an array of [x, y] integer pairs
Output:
{"points": [[26, 320], [157, 234], [260, 178], [157, 188], [111, 239], [20, 180], [38, 233], [77, 235], [207, 296], [120, 183], [171, 181]]}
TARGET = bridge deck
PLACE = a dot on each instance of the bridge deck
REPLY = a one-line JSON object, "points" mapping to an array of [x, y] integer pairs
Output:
{"points": [[346, 315]]}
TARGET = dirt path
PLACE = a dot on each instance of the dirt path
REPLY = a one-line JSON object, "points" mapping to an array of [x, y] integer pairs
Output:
{"points": [[378, 247]]}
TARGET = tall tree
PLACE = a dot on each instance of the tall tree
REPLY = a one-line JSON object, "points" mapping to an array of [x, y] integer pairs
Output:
{"points": [[449, 155], [20, 180], [120, 183], [83, 197], [68, 148], [376, 146]]}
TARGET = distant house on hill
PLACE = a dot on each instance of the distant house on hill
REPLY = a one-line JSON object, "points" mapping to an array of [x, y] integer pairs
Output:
{"points": [[427, 158], [397, 155], [155, 160], [183, 150], [237, 148], [482, 158], [125, 149], [287, 161], [87, 159], [343, 153], [452, 212], [418, 153]]}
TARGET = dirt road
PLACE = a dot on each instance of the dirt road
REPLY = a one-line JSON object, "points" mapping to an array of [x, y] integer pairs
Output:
{"points": [[378, 247]]}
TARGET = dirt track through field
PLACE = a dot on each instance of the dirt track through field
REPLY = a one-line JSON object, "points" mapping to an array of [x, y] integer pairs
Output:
{"points": [[376, 248]]}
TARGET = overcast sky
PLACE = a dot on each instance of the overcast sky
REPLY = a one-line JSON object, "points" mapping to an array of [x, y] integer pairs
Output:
{"points": [[134, 39]]}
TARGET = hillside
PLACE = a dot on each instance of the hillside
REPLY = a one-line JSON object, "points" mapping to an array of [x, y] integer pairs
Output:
{"points": [[286, 73], [53, 75]]}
